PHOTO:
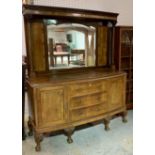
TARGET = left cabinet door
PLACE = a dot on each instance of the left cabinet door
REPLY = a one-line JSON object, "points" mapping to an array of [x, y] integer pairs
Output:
{"points": [[51, 106]]}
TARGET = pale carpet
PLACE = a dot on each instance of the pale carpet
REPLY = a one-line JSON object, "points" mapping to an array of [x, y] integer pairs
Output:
{"points": [[92, 140]]}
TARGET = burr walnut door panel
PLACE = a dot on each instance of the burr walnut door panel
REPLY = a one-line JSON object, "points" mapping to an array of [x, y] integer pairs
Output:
{"points": [[38, 46], [102, 32], [116, 88], [51, 106]]}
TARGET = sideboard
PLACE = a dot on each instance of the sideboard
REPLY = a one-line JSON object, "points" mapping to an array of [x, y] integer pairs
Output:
{"points": [[64, 95], [66, 101]]}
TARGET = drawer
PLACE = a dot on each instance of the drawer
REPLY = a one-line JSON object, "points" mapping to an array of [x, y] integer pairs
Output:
{"points": [[85, 88], [84, 113], [88, 100]]}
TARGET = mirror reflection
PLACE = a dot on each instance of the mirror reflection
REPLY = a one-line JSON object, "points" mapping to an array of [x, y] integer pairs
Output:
{"points": [[70, 45]]}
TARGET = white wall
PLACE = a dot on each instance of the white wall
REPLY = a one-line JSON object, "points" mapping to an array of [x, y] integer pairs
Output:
{"points": [[23, 39], [123, 7], [58, 37], [78, 39]]}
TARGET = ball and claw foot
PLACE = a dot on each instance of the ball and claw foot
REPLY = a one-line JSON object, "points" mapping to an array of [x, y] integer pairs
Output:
{"points": [[69, 133], [37, 148], [124, 120], [69, 140], [107, 128], [38, 139]]}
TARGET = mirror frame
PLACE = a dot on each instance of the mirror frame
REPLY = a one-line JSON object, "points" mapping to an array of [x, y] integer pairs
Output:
{"points": [[33, 20]]}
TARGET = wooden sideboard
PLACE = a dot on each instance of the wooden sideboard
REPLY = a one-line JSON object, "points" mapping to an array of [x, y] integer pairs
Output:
{"points": [[66, 101], [64, 98]]}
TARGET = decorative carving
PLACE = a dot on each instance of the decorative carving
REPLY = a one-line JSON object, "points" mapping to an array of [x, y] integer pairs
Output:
{"points": [[30, 127]]}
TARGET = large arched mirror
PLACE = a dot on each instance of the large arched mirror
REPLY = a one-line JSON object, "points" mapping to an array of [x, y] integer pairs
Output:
{"points": [[70, 45]]}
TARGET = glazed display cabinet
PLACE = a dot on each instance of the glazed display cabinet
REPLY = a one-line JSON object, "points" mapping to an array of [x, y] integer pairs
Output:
{"points": [[124, 58]]}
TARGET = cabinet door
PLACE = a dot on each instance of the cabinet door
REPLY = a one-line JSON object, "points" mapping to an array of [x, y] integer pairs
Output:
{"points": [[51, 106], [116, 88]]}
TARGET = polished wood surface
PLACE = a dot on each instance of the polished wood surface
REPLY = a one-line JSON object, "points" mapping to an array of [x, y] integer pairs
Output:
{"points": [[62, 77], [36, 40], [102, 45], [51, 106]]}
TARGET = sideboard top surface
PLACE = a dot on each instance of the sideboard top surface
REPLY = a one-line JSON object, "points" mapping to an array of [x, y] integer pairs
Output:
{"points": [[72, 77]]}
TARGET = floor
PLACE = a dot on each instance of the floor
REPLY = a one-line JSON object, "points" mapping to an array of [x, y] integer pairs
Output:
{"points": [[88, 140]]}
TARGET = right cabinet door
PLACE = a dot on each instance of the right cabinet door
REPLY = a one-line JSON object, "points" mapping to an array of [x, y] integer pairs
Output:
{"points": [[116, 93]]}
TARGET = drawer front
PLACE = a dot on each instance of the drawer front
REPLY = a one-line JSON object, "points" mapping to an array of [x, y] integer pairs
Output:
{"points": [[84, 113], [85, 88], [88, 100]]}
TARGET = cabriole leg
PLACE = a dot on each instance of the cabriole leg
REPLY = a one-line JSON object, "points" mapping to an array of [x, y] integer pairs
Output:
{"points": [[38, 138], [106, 123], [69, 133], [124, 117]]}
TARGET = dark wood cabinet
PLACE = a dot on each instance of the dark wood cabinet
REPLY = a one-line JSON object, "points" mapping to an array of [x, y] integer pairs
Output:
{"points": [[124, 58], [63, 98]]}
